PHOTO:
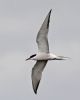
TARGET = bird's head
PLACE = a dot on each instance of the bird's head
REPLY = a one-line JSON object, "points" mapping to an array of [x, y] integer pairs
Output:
{"points": [[31, 57]]}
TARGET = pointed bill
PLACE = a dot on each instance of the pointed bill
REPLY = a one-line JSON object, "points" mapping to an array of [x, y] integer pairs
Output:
{"points": [[42, 39], [37, 73]]}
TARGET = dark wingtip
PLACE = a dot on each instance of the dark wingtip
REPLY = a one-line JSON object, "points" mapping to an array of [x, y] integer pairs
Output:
{"points": [[50, 10], [35, 89], [35, 92], [49, 18]]}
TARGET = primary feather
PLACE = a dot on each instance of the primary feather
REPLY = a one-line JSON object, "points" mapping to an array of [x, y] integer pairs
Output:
{"points": [[37, 73], [41, 39]]}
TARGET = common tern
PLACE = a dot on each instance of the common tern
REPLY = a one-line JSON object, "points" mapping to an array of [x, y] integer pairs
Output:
{"points": [[43, 54]]}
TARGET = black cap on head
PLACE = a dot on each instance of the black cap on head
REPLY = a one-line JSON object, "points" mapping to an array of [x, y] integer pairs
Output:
{"points": [[32, 55]]}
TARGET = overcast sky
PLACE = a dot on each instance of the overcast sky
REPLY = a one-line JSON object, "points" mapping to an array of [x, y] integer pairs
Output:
{"points": [[20, 21]]}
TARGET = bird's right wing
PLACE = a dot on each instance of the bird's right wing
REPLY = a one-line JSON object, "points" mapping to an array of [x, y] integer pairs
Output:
{"points": [[37, 73], [41, 39]]}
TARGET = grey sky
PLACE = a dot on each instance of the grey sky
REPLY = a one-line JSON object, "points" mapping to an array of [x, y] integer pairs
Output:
{"points": [[20, 21]]}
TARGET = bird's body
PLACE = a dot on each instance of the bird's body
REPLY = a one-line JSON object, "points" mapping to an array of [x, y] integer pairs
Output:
{"points": [[43, 54]]}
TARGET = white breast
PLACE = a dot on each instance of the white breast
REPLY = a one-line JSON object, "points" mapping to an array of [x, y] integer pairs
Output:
{"points": [[41, 56], [44, 56]]}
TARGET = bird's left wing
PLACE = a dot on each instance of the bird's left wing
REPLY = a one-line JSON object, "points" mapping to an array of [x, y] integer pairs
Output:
{"points": [[37, 73], [42, 39]]}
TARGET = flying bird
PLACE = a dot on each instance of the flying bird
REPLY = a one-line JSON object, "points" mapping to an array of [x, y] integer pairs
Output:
{"points": [[43, 54]]}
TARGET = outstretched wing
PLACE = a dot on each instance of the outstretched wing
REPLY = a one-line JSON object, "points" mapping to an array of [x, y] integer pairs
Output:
{"points": [[37, 73], [41, 39]]}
